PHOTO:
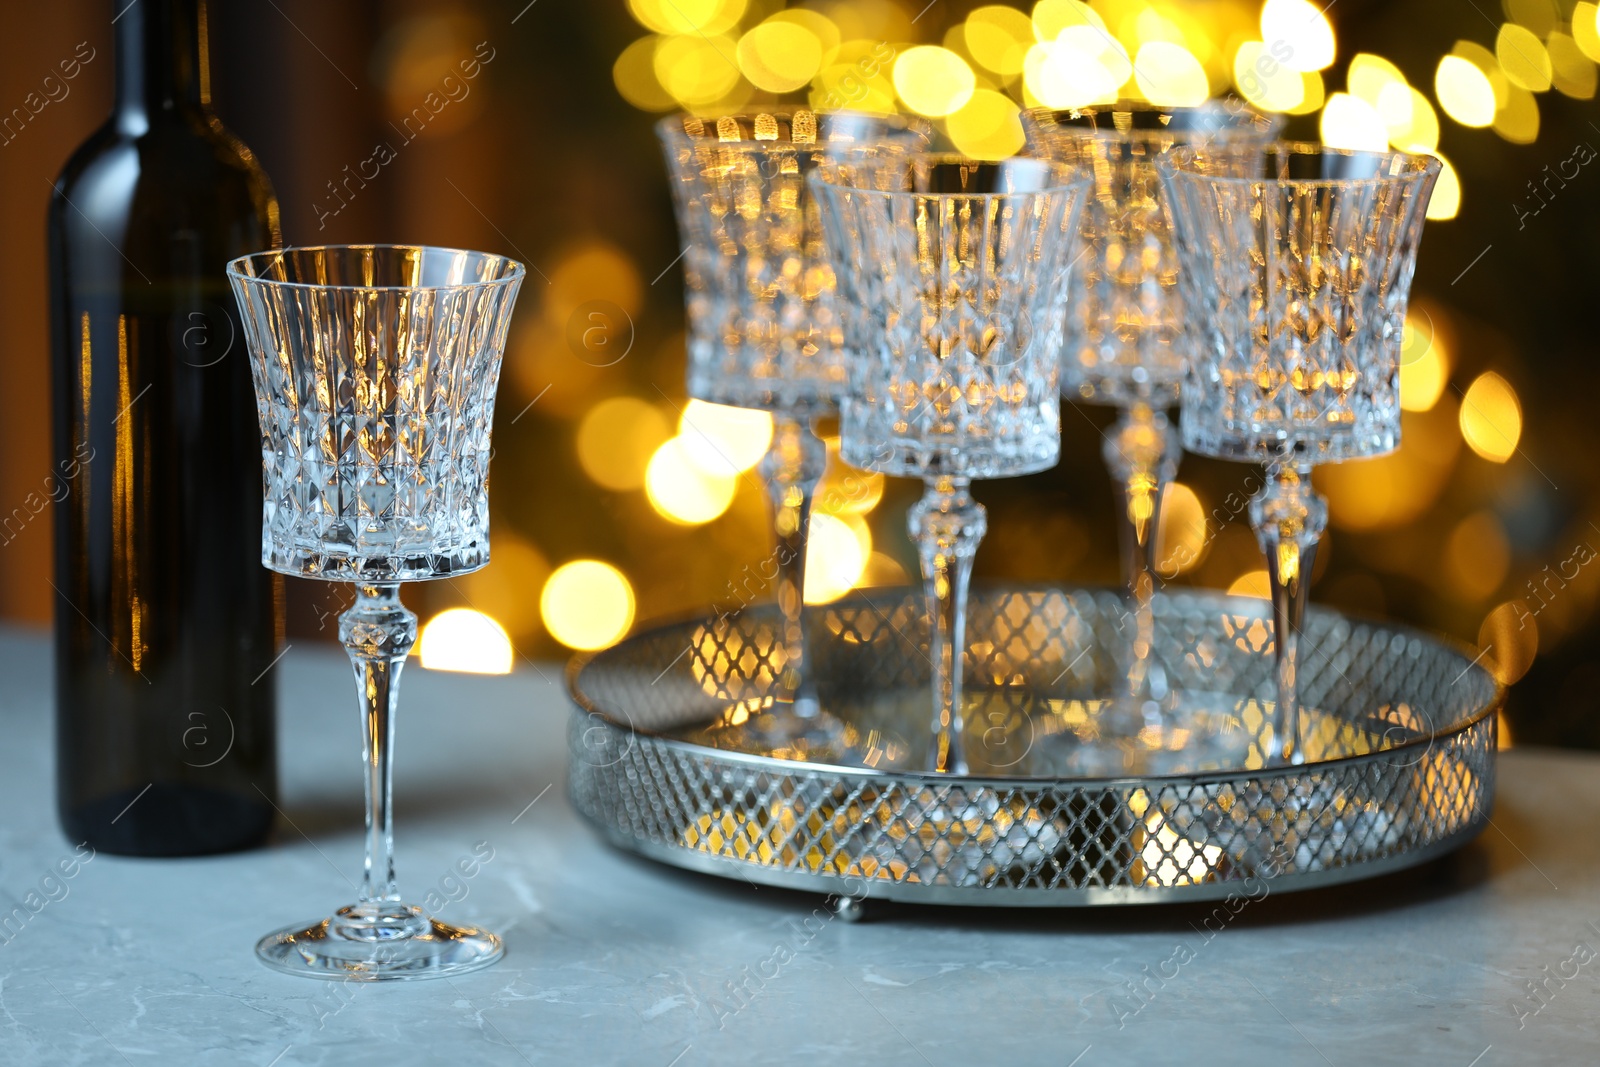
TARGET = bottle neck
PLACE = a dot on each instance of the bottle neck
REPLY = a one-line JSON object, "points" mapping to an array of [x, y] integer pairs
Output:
{"points": [[163, 63]]}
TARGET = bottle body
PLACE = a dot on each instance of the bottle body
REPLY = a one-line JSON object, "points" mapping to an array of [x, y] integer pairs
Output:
{"points": [[166, 623]]}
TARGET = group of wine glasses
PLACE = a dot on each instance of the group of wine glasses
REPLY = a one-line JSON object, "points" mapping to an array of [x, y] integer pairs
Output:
{"points": [[937, 303], [942, 304]]}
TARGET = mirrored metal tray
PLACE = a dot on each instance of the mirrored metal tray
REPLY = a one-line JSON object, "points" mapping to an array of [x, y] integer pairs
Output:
{"points": [[1398, 736]]}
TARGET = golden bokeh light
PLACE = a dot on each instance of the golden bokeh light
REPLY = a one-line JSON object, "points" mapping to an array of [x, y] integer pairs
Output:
{"points": [[1169, 74], [988, 126], [687, 16], [846, 490], [616, 439], [1254, 583], [724, 440], [1464, 91], [1477, 556], [780, 55], [1509, 637], [1304, 28], [1518, 118], [882, 570], [1350, 122], [587, 604], [1313, 94], [634, 73], [1424, 365], [858, 79], [1572, 72], [461, 639], [1396, 489], [590, 270], [696, 69], [1491, 417], [1540, 16], [1265, 82], [1182, 534], [836, 556], [1445, 203], [1484, 60], [1369, 75], [1050, 17], [1586, 29], [504, 590], [821, 26], [932, 80], [1523, 57], [418, 65], [998, 38], [1418, 131], [682, 491], [1081, 67]]}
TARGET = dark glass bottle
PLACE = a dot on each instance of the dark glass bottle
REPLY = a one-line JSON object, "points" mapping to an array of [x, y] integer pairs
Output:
{"points": [[166, 623]]}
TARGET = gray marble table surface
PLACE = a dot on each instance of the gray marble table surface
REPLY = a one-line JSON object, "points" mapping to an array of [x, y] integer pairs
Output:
{"points": [[1483, 959]]}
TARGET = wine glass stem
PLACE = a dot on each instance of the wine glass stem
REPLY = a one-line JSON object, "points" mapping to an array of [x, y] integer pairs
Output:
{"points": [[378, 632], [946, 525], [1288, 517], [793, 468], [1142, 452]]}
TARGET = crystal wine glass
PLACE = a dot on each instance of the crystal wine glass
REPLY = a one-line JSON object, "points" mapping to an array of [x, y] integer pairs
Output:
{"points": [[1296, 262], [1123, 343], [375, 370], [955, 272], [764, 330]]}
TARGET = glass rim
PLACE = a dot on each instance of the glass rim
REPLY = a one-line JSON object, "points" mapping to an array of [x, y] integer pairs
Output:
{"points": [[1177, 163], [1264, 124], [516, 272], [670, 127], [1076, 180]]}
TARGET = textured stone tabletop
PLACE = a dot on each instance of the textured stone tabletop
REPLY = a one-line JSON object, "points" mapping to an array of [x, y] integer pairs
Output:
{"points": [[1484, 959]]}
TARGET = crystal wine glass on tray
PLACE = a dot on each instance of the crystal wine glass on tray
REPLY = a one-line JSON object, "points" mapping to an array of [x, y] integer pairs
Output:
{"points": [[765, 332], [1124, 346], [956, 272], [1296, 261], [375, 370]]}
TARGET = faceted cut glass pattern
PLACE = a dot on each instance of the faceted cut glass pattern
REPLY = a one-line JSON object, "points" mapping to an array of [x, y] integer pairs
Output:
{"points": [[1123, 339], [375, 371], [956, 277], [764, 322], [1399, 754], [1296, 265]]}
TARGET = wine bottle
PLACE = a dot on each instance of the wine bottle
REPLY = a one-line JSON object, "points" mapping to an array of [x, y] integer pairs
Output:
{"points": [[166, 623]]}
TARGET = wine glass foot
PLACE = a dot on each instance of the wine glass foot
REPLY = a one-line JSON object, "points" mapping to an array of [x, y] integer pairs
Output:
{"points": [[401, 944], [790, 731]]}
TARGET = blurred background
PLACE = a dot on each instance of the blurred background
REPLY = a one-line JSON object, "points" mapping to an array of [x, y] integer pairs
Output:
{"points": [[1485, 525]]}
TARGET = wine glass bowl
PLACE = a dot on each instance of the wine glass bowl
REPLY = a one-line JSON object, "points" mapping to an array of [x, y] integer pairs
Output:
{"points": [[1300, 258], [375, 388], [375, 370], [764, 322], [1123, 339]]}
